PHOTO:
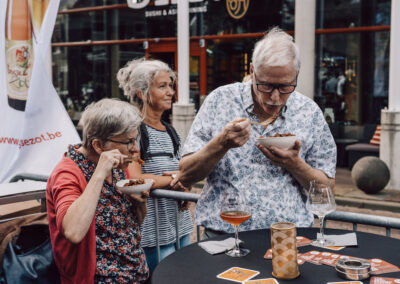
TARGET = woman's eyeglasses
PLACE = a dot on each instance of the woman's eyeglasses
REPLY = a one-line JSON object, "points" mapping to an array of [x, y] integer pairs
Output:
{"points": [[130, 142]]}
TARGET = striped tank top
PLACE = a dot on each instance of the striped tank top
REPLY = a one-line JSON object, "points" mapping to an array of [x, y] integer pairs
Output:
{"points": [[160, 159]]}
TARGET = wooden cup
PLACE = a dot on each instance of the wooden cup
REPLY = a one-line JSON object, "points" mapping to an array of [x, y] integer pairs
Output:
{"points": [[284, 251]]}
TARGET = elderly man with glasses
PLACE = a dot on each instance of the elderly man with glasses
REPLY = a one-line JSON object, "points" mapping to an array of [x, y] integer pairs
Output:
{"points": [[222, 143]]}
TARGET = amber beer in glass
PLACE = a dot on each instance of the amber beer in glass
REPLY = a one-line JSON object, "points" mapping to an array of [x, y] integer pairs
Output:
{"points": [[19, 52], [235, 217], [235, 210]]}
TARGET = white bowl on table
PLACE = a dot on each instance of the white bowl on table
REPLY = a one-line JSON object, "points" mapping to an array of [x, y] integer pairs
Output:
{"points": [[134, 189], [285, 142]]}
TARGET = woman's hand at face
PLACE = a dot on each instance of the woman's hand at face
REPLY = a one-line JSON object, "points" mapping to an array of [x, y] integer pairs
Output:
{"points": [[109, 160]]}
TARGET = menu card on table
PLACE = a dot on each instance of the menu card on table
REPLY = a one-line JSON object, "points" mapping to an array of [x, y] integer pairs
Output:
{"points": [[379, 266], [384, 280], [345, 282], [262, 281]]}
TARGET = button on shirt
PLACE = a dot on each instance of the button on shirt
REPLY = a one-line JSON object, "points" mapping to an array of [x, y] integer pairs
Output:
{"points": [[272, 193]]}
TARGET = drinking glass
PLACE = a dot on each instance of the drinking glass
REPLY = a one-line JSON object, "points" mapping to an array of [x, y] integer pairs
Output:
{"points": [[321, 201], [234, 210]]}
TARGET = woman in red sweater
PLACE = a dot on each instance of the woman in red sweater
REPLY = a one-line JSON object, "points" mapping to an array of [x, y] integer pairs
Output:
{"points": [[94, 228]]}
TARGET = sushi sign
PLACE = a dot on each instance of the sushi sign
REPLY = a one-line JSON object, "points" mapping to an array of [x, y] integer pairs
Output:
{"points": [[236, 8], [139, 4]]}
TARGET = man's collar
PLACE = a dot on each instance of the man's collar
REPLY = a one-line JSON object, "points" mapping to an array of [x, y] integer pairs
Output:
{"points": [[289, 104], [283, 110]]}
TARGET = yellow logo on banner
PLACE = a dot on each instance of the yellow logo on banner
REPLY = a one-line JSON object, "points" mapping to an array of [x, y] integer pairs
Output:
{"points": [[237, 8]]}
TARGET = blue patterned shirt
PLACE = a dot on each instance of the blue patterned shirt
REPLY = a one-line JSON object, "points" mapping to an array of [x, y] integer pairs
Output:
{"points": [[273, 194]]}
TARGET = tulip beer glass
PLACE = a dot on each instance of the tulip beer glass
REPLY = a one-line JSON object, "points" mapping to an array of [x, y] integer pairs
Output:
{"points": [[321, 201], [235, 211]]}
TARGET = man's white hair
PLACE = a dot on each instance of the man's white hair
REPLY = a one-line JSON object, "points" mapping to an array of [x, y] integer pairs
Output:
{"points": [[276, 48]]}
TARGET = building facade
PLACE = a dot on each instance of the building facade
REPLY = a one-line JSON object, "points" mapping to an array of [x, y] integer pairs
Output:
{"points": [[93, 39]]}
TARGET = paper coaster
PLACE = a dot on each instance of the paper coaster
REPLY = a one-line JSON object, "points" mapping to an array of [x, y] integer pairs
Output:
{"points": [[238, 274], [384, 280]]}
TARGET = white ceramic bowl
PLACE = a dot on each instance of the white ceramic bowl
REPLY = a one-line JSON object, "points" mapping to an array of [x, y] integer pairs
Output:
{"points": [[135, 189], [285, 142]]}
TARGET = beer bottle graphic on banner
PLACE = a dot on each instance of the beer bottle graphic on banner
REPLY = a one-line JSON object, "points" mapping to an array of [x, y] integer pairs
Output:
{"points": [[19, 52]]}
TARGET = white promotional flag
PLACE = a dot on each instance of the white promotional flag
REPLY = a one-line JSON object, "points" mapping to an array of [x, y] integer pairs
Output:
{"points": [[35, 128]]}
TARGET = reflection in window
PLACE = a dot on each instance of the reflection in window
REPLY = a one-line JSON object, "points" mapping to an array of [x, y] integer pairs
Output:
{"points": [[260, 16], [352, 68], [85, 74], [337, 76], [228, 61], [354, 13], [194, 85], [352, 76], [381, 72]]}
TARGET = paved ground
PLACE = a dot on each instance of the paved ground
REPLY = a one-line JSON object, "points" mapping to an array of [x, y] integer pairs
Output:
{"points": [[350, 198], [348, 195]]}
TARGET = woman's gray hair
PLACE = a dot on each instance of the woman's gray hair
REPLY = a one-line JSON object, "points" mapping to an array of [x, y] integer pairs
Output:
{"points": [[276, 48], [107, 118], [138, 75]]}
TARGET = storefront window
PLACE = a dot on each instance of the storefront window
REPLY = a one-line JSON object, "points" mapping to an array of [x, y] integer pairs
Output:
{"points": [[100, 25], [380, 75], [355, 13], [228, 61], [206, 18], [84, 74], [260, 16], [338, 76], [352, 67]]}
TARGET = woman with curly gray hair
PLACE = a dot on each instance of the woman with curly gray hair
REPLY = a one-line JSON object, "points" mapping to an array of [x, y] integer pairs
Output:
{"points": [[149, 84]]}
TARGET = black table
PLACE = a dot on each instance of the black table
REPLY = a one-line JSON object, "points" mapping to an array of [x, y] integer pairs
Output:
{"points": [[194, 265]]}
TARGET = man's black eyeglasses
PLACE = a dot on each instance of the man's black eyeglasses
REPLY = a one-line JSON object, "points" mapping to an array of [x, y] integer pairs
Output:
{"points": [[269, 88], [131, 141]]}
